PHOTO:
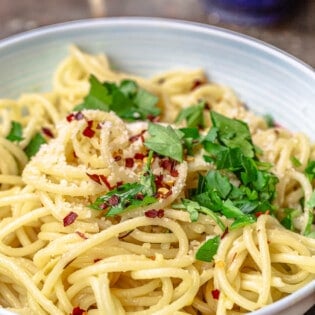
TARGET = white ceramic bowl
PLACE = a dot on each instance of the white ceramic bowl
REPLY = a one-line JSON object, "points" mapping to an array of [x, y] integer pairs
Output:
{"points": [[267, 79]]}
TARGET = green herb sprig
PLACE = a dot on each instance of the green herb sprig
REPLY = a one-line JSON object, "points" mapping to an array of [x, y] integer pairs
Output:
{"points": [[127, 100]]}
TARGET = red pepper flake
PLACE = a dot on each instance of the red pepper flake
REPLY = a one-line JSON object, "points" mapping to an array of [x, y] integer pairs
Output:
{"points": [[119, 183], [88, 132], [78, 311], [113, 200], [103, 206], [166, 164], [70, 117], [95, 178], [259, 213], [47, 132], [154, 213], [117, 158], [129, 162], [226, 231], [82, 235], [153, 118], [215, 294], [96, 260], [106, 182], [196, 83], [70, 218], [139, 156], [139, 196], [174, 173], [78, 116], [136, 137], [169, 165], [158, 180]]}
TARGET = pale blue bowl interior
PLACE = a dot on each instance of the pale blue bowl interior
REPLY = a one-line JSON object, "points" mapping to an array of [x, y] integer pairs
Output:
{"points": [[266, 79]]}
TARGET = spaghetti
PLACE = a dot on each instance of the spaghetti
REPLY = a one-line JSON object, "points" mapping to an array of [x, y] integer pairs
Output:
{"points": [[60, 255]]}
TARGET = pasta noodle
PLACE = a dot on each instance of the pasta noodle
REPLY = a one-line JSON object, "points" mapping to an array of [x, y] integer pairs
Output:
{"points": [[60, 256]]}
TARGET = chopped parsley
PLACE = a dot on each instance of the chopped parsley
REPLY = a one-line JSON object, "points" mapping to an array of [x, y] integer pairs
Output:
{"points": [[208, 249], [295, 161], [16, 132], [193, 116], [269, 120], [310, 170], [194, 208], [127, 100], [165, 141], [34, 145]]}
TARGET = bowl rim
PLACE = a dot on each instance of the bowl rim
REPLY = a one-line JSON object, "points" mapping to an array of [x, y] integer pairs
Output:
{"points": [[160, 22], [197, 27]]}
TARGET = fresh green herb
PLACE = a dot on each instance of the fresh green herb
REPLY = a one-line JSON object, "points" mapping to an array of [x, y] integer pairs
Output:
{"points": [[242, 221], [193, 116], [310, 204], [194, 209], [191, 138], [241, 185], [147, 179], [269, 120], [130, 195], [165, 141], [296, 162], [123, 198], [233, 133], [16, 132], [288, 219], [127, 99], [34, 145], [310, 170], [208, 249]]}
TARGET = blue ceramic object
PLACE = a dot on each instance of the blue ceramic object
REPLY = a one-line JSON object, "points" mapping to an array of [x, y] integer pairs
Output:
{"points": [[250, 11]]}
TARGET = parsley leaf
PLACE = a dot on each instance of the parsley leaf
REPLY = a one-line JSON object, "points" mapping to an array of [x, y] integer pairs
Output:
{"points": [[194, 209], [233, 133], [125, 197], [231, 150], [165, 141], [287, 220], [269, 120], [16, 132], [242, 221], [208, 249], [34, 145], [127, 99], [295, 161], [310, 207], [310, 170], [193, 115]]}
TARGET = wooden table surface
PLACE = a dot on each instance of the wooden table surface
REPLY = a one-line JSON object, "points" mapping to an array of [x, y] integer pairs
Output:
{"points": [[295, 35]]}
